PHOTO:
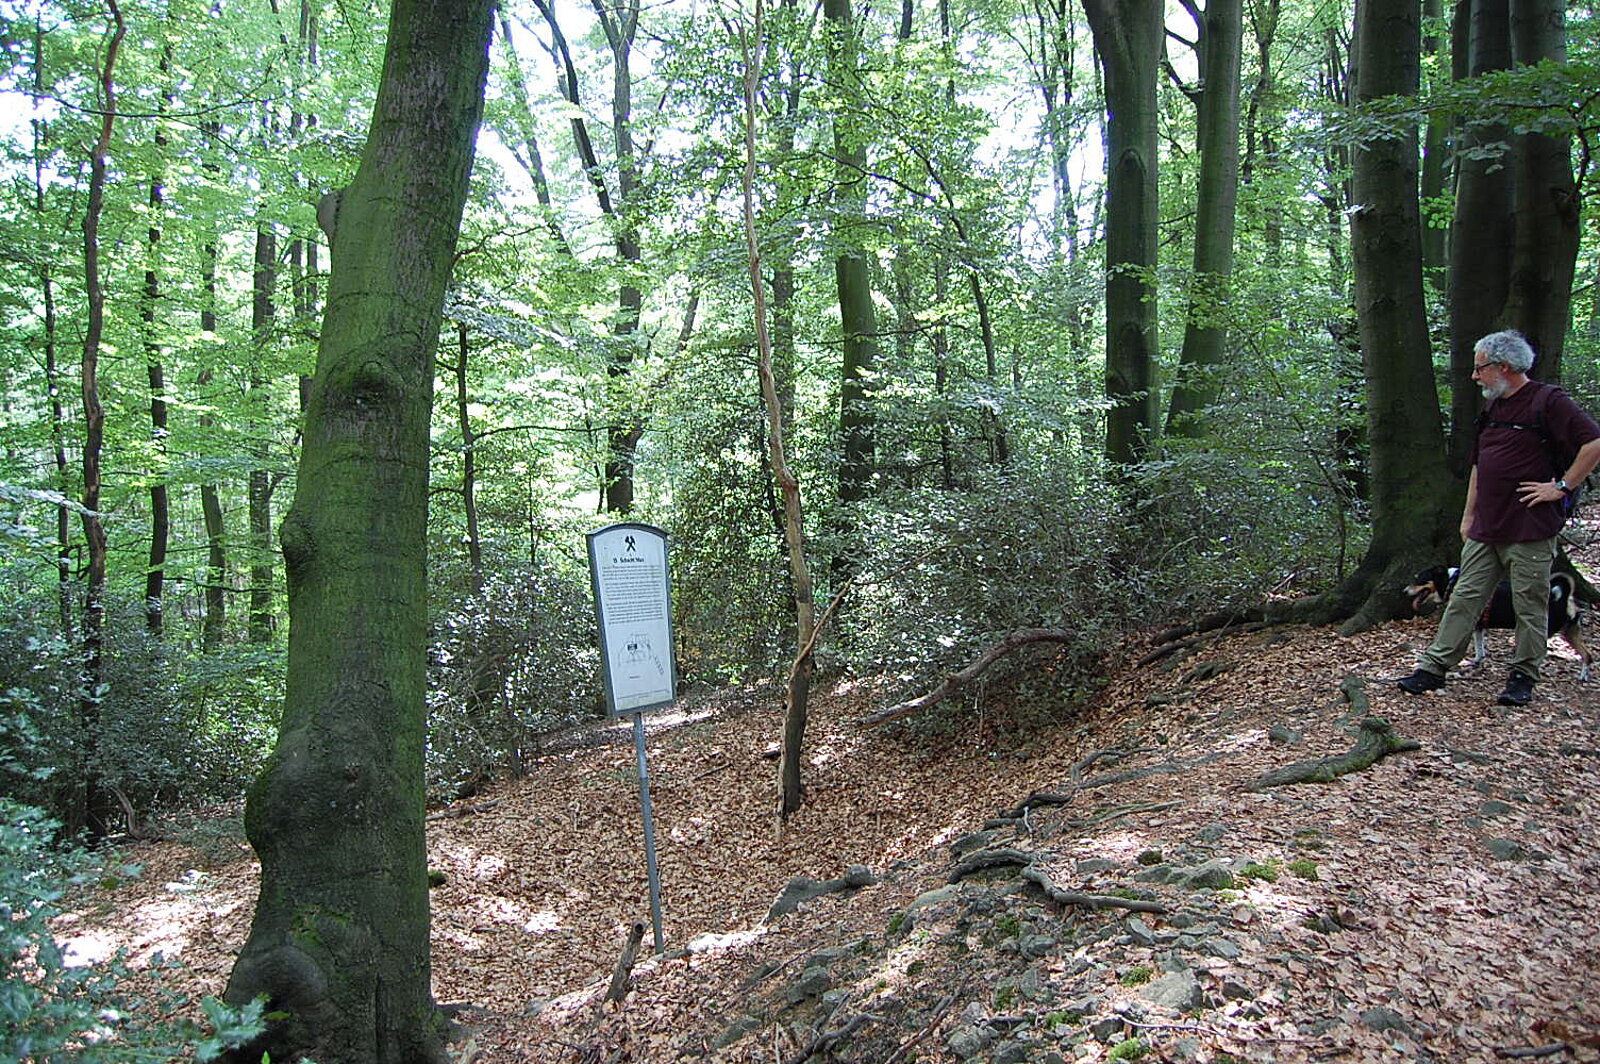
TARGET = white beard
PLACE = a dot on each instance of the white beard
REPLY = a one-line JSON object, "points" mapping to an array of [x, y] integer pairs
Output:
{"points": [[1495, 391]]}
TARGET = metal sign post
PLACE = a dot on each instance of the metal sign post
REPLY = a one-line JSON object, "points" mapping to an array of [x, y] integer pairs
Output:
{"points": [[633, 605]]}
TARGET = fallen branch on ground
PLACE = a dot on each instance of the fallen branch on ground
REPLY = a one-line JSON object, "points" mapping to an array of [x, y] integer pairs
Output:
{"points": [[1220, 627], [957, 680], [802, 889], [1531, 1052]]}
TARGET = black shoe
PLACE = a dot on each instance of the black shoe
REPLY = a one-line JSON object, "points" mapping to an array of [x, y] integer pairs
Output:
{"points": [[1420, 681], [1519, 689]]}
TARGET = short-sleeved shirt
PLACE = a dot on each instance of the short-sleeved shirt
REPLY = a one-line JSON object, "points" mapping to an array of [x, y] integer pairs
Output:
{"points": [[1513, 451]]}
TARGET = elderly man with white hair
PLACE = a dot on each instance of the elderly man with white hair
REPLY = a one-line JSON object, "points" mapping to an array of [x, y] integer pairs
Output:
{"points": [[1516, 506]]}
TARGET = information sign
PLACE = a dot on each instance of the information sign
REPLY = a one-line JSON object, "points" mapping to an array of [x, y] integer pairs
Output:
{"points": [[633, 601]]}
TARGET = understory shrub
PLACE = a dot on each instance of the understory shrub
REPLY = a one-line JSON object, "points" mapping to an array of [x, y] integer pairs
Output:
{"points": [[53, 1012], [168, 726], [508, 663], [945, 575]]}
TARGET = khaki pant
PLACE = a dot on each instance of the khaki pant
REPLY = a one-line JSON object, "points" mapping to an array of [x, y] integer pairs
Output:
{"points": [[1483, 566]]}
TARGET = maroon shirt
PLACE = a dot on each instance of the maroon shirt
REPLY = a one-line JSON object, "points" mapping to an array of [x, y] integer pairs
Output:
{"points": [[1507, 456]]}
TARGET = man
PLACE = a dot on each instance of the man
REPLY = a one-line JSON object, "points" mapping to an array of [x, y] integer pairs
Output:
{"points": [[1515, 507]]}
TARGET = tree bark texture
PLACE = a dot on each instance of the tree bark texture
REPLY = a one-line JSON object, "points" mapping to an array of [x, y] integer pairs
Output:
{"points": [[1546, 202], [1410, 489], [1481, 233], [1205, 333], [1128, 37], [340, 937], [852, 273]]}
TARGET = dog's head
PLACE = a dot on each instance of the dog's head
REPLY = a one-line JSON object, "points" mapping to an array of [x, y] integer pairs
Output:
{"points": [[1431, 587]]}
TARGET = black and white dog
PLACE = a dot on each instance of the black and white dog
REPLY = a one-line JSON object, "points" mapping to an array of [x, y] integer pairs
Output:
{"points": [[1434, 584]]}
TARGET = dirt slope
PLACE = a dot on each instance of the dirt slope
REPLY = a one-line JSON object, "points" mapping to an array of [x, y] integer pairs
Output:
{"points": [[1440, 905]]}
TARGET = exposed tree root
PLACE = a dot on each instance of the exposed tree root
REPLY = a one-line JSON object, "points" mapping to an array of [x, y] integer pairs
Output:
{"points": [[957, 680], [802, 889], [463, 810], [1374, 741], [1009, 857]]}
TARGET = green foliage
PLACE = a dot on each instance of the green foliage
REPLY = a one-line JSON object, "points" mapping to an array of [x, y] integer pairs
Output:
{"points": [[55, 1012], [514, 660], [1304, 867], [1138, 975], [1131, 1049], [1267, 871]]}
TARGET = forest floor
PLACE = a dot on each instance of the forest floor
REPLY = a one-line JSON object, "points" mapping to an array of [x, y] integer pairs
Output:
{"points": [[1443, 904]]}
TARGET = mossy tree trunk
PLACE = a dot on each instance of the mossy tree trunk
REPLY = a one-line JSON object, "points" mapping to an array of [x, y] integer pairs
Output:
{"points": [[340, 937]]}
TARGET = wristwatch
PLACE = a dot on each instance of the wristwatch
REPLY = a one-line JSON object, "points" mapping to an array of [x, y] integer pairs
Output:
{"points": [[1565, 490]]}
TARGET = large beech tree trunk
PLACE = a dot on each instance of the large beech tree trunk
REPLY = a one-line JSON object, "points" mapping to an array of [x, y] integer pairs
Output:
{"points": [[1546, 202], [1127, 37], [851, 268], [340, 937], [1205, 333], [1482, 228], [1413, 516]]}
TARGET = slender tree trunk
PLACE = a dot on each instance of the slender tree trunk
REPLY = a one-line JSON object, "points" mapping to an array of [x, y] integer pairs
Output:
{"points": [[92, 808], [1412, 519], [263, 315], [620, 23], [791, 792], [1127, 37], [1205, 332], [1262, 121], [851, 268], [339, 943], [52, 368], [216, 585], [155, 369]]}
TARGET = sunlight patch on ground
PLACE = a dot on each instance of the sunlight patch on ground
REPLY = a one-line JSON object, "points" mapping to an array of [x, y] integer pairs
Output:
{"points": [[1115, 845], [668, 718], [165, 925], [712, 942], [1244, 740]]}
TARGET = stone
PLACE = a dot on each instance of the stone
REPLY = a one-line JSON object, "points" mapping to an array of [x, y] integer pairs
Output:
{"points": [[1234, 990], [1139, 932], [1090, 865], [1384, 1019], [813, 983], [1226, 948], [1032, 946], [738, 1029], [1107, 1029], [1017, 1051], [1505, 849], [967, 1042], [1161, 873], [1213, 875], [1179, 991]]}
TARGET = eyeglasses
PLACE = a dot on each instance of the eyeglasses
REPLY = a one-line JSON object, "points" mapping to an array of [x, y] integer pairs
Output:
{"points": [[1479, 367]]}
